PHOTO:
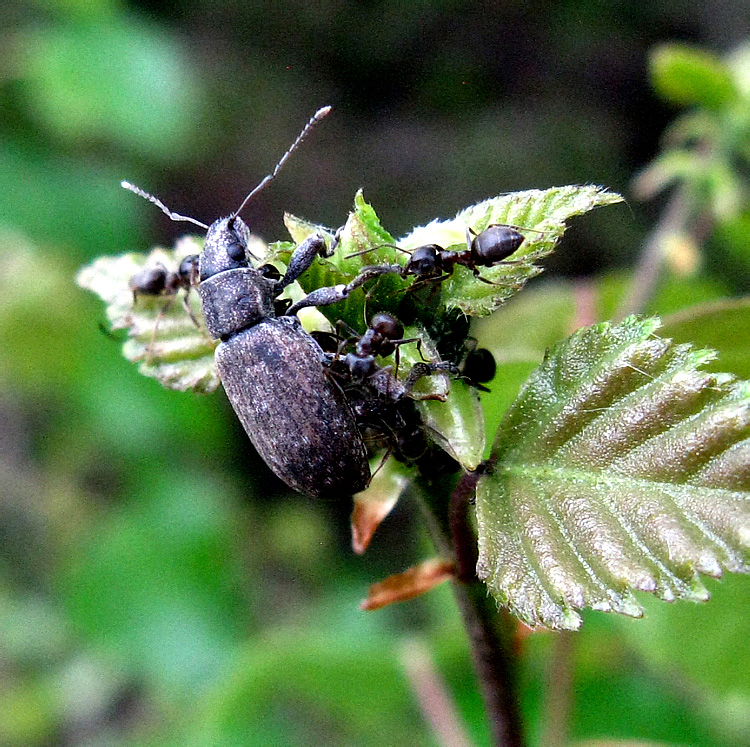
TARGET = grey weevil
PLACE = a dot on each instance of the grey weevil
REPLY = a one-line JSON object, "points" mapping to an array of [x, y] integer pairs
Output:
{"points": [[296, 415]]}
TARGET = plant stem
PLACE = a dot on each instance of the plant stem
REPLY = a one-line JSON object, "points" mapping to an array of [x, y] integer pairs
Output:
{"points": [[559, 690], [491, 632], [651, 262]]}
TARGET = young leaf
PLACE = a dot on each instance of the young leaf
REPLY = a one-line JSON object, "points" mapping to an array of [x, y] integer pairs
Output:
{"points": [[162, 337], [539, 215], [620, 466], [686, 75], [377, 500], [457, 424]]}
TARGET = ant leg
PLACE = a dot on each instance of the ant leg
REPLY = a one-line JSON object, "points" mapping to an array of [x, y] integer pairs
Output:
{"points": [[418, 340], [186, 304], [420, 370], [149, 349], [387, 453], [373, 248], [344, 341], [478, 276], [397, 353], [417, 284]]}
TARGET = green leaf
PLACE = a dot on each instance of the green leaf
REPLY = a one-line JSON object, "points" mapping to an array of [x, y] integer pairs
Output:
{"points": [[686, 75], [457, 424], [162, 338], [112, 80], [539, 214], [722, 325], [620, 466]]}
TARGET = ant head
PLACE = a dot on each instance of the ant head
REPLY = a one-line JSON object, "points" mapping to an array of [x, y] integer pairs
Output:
{"points": [[188, 269], [425, 261], [387, 326]]}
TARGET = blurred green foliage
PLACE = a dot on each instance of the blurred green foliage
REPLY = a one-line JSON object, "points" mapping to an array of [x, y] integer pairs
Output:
{"points": [[157, 585]]}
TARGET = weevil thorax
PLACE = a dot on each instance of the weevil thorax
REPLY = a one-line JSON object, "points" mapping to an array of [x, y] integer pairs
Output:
{"points": [[235, 295]]}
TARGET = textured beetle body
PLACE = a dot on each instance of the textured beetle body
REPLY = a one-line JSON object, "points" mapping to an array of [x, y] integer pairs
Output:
{"points": [[273, 372], [294, 413]]}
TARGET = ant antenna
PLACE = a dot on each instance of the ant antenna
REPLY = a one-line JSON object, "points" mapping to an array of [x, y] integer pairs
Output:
{"points": [[305, 130], [373, 248], [160, 204]]}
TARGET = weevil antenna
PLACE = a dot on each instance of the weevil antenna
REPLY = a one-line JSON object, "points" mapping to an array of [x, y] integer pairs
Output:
{"points": [[320, 114], [160, 204]]}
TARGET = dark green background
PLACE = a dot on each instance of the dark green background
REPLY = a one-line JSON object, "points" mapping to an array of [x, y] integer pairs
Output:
{"points": [[157, 585]]}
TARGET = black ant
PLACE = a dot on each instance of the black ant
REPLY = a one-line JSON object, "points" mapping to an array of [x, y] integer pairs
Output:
{"points": [[383, 405], [432, 262], [383, 337], [486, 249], [478, 366], [159, 281]]}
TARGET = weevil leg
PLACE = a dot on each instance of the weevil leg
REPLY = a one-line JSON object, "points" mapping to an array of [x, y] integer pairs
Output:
{"points": [[302, 257], [335, 293]]}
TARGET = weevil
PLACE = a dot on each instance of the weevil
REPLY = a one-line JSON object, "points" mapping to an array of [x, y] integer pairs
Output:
{"points": [[273, 372], [276, 376]]}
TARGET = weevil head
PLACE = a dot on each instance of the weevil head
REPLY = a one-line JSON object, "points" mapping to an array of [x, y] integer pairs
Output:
{"points": [[225, 247]]}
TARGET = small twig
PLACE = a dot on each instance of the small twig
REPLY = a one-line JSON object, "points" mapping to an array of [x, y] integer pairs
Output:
{"points": [[559, 691], [464, 539], [584, 296], [434, 700], [490, 631], [648, 271]]}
